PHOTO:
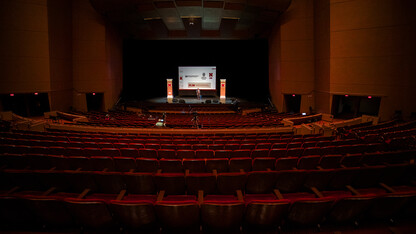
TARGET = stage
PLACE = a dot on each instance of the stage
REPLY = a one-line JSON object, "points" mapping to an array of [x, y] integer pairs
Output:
{"points": [[185, 104], [194, 100]]}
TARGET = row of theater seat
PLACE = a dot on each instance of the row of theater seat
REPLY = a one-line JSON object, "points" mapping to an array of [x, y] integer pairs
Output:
{"points": [[195, 143], [185, 144], [223, 120], [215, 201], [59, 212], [406, 129], [191, 153], [190, 142], [364, 179], [98, 163], [74, 135]]}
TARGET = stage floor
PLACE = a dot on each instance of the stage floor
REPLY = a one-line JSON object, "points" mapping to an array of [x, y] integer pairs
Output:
{"points": [[194, 100]]}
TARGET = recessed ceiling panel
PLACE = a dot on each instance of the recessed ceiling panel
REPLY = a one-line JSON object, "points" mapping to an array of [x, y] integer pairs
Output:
{"points": [[213, 4], [153, 19], [171, 18], [158, 27], [227, 26], [247, 18], [188, 3], [147, 10], [190, 11], [193, 26], [212, 18]]}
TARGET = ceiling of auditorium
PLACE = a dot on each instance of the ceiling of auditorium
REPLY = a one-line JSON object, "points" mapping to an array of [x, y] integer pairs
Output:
{"points": [[192, 19]]}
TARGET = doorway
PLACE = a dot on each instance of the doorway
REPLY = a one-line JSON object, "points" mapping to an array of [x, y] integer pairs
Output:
{"points": [[26, 104], [292, 102], [347, 107], [95, 101]]}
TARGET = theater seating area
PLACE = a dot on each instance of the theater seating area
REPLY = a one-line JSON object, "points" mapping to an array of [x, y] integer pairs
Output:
{"points": [[184, 119], [260, 200], [65, 180]]}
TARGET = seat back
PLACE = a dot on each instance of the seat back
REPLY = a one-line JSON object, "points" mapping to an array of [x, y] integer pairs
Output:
{"points": [[178, 215]]}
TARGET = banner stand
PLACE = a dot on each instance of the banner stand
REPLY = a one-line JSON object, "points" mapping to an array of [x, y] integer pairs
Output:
{"points": [[169, 96], [222, 91]]}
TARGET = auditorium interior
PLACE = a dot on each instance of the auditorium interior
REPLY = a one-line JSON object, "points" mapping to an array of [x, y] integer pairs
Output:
{"points": [[301, 118]]}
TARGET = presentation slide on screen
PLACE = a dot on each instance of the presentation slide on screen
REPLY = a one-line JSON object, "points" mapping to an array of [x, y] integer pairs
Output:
{"points": [[192, 78]]}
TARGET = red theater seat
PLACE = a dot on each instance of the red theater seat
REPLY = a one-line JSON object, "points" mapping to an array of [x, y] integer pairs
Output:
{"points": [[261, 182], [89, 152], [123, 145], [216, 146], [267, 145], [232, 146], [330, 161], [178, 215], [286, 163], [265, 214], [260, 153], [124, 164], [147, 164], [152, 146], [241, 153], [81, 162], [50, 211], [279, 145], [199, 146], [205, 182], [218, 164], [99, 163], [277, 153], [184, 146], [263, 164], [351, 160], [168, 146], [308, 162], [309, 211], [140, 183], [290, 181], [226, 215], [111, 152], [171, 165], [194, 165], [204, 153], [171, 183], [249, 146], [166, 153], [147, 153], [185, 153], [122, 211], [229, 183], [222, 153], [91, 213], [238, 164], [294, 152], [350, 209], [109, 182]]}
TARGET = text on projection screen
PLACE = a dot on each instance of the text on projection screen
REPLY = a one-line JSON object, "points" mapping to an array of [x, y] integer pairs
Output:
{"points": [[192, 78]]}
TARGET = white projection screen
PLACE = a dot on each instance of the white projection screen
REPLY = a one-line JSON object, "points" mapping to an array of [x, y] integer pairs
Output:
{"points": [[192, 78]]}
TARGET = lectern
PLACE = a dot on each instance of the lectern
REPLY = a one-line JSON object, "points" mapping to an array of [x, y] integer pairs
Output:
{"points": [[222, 91], [169, 96]]}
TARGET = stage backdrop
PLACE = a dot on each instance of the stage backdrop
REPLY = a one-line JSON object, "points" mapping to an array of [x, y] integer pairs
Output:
{"points": [[243, 63]]}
